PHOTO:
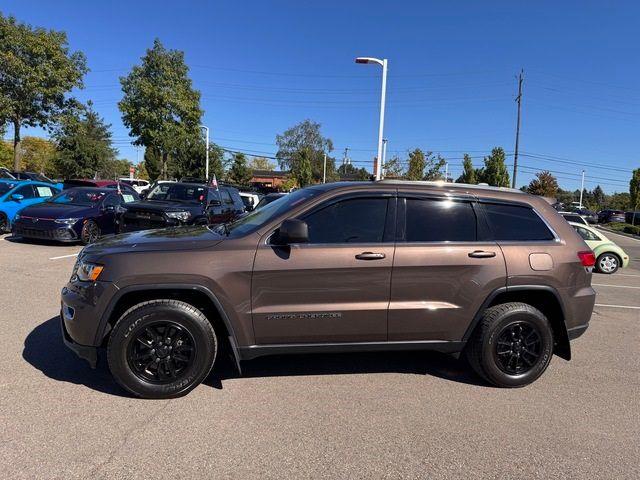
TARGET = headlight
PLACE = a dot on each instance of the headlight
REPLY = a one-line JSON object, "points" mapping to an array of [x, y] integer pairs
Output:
{"points": [[182, 216], [88, 272], [66, 221], [17, 217]]}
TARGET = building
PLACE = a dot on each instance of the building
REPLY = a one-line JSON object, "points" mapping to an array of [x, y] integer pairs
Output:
{"points": [[268, 180]]}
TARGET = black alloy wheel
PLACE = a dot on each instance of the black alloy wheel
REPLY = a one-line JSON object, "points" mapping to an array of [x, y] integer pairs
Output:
{"points": [[161, 352], [518, 348], [90, 232]]}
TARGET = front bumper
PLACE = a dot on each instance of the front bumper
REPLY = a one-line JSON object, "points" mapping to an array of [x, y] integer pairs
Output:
{"points": [[81, 308], [57, 233], [86, 352]]}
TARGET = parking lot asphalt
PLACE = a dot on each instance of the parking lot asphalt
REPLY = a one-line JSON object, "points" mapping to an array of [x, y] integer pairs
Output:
{"points": [[388, 415]]}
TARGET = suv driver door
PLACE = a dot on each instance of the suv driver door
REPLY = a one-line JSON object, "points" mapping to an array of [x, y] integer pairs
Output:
{"points": [[335, 287]]}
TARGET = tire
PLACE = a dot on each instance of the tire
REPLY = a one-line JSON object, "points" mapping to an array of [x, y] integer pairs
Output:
{"points": [[608, 263], [143, 358], [90, 232], [5, 226], [511, 346]]}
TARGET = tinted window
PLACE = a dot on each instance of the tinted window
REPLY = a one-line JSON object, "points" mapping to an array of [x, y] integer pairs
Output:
{"points": [[358, 220], [26, 191], [512, 222], [440, 221], [112, 200], [226, 198]]}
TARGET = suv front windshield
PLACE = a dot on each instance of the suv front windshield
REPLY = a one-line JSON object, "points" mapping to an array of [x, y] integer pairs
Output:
{"points": [[178, 192], [257, 218]]}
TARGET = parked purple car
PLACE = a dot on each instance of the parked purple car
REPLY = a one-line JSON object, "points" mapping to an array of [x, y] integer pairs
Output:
{"points": [[76, 215]]}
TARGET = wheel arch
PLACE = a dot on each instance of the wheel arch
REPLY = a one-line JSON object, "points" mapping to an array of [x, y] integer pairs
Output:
{"points": [[197, 295], [544, 298]]}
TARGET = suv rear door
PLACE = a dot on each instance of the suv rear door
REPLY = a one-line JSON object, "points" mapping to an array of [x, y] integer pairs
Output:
{"points": [[444, 268], [334, 288]]}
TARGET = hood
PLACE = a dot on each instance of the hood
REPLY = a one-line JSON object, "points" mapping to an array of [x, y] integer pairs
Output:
{"points": [[165, 239], [161, 206], [57, 210]]}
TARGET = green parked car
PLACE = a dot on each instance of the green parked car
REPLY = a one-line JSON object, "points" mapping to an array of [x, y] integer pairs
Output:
{"points": [[609, 256]]}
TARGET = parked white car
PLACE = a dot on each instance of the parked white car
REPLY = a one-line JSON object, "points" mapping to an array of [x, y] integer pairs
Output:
{"points": [[250, 200], [138, 184]]}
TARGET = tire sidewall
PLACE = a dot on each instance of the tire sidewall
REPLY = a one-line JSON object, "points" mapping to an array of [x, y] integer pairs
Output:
{"points": [[82, 233], [601, 256], [537, 320], [126, 331]]}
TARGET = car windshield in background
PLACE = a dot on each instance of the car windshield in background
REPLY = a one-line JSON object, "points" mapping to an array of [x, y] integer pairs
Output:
{"points": [[178, 192], [79, 196], [259, 217]]}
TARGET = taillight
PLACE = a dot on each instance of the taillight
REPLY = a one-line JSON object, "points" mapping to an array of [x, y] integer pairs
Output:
{"points": [[588, 259]]}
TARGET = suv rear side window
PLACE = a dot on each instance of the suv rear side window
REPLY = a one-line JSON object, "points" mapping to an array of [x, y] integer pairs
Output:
{"points": [[358, 220], [430, 220], [516, 223]]}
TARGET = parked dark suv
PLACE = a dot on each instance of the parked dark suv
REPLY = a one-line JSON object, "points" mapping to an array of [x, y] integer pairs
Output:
{"points": [[170, 204], [495, 274]]}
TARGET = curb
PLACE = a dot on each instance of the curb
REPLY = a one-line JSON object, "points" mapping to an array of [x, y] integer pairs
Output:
{"points": [[630, 235]]}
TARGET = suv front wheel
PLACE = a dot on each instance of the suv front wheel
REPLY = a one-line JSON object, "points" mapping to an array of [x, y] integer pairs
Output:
{"points": [[512, 345], [161, 349]]}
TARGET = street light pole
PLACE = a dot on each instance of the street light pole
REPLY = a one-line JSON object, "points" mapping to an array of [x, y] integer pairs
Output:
{"points": [[384, 154], [581, 188], [383, 63], [206, 168]]}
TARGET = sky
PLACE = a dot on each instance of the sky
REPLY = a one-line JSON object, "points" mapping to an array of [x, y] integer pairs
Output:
{"points": [[264, 66]]}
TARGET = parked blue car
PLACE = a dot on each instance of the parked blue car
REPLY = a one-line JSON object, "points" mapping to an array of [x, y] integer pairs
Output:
{"points": [[17, 194], [81, 214]]}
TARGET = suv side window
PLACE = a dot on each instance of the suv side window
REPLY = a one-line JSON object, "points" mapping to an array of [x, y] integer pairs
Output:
{"points": [[112, 200], [515, 223], [430, 220], [226, 198], [213, 196], [358, 220]]}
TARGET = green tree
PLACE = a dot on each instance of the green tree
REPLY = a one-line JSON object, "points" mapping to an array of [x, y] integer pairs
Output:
{"points": [[495, 171], [619, 201], [468, 172], [160, 106], [301, 167], [305, 136], [189, 159], [36, 71], [417, 163], [6, 154], [598, 197], [152, 162], [434, 166], [545, 185], [634, 190], [38, 155], [115, 168], [261, 163], [393, 168], [83, 144], [240, 173]]}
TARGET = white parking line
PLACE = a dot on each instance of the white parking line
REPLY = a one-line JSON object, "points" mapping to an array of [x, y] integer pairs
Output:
{"points": [[607, 232], [64, 256], [616, 306], [615, 286], [626, 275]]}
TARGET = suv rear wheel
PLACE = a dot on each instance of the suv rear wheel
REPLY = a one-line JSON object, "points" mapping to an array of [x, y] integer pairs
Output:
{"points": [[512, 346], [161, 349]]}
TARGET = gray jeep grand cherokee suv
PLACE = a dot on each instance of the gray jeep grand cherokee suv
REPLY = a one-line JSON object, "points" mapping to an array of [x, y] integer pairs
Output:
{"points": [[495, 274]]}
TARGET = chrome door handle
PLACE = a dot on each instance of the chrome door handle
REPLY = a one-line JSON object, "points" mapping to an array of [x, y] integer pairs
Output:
{"points": [[482, 254], [370, 256]]}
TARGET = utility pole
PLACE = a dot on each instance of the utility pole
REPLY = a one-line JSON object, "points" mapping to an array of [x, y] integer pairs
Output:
{"points": [[446, 172], [324, 171], [581, 188], [515, 155]]}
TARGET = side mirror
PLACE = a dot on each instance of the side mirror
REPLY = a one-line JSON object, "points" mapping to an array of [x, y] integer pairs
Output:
{"points": [[143, 194], [17, 196], [293, 231], [109, 208]]}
